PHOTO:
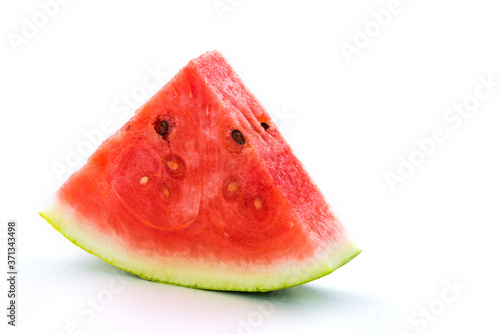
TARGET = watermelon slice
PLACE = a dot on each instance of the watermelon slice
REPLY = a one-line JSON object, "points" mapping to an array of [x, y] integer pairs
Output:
{"points": [[200, 189]]}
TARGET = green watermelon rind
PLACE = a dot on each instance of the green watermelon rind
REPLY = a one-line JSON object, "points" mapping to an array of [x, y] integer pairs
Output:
{"points": [[190, 272]]}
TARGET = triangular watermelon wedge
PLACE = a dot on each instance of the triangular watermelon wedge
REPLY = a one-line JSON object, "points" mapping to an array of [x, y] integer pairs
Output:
{"points": [[200, 189]]}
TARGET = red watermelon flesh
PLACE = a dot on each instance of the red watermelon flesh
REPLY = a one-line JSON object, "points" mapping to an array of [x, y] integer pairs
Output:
{"points": [[200, 189]]}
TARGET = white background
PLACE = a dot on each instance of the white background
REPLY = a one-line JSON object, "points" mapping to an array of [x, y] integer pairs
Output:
{"points": [[349, 122]]}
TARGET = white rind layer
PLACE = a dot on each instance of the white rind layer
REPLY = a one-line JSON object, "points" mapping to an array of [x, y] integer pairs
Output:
{"points": [[195, 273]]}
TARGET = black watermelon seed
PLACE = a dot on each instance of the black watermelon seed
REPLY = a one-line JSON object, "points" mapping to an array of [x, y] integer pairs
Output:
{"points": [[162, 128], [238, 137], [265, 125]]}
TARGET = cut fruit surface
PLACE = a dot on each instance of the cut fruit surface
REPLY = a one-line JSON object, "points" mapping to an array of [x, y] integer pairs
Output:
{"points": [[200, 189]]}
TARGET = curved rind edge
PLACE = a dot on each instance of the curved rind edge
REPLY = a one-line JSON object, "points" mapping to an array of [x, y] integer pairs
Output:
{"points": [[191, 272]]}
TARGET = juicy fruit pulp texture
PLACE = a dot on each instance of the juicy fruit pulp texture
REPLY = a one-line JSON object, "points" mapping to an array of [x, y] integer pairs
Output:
{"points": [[200, 189]]}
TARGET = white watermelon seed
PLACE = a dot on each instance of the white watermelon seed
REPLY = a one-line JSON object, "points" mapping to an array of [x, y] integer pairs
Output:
{"points": [[258, 203], [172, 165], [233, 186], [166, 192], [144, 180]]}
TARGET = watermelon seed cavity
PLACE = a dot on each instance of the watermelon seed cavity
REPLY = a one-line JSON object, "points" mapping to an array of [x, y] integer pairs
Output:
{"points": [[265, 125], [238, 137], [162, 128]]}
